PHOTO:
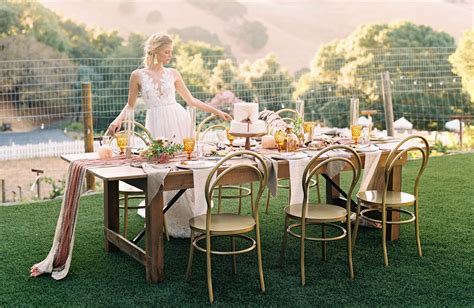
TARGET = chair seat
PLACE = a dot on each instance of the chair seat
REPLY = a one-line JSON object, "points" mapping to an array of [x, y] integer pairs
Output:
{"points": [[394, 198], [127, 188], [224, 223], [318, 212]]}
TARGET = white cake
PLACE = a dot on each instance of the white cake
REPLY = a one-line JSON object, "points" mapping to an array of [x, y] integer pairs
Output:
{"points": [[246, 119]]}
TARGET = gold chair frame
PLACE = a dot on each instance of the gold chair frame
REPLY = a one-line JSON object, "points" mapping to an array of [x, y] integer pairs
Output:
{"points": [[243, 192], [326, 215], [393, 201], [232, 225]]}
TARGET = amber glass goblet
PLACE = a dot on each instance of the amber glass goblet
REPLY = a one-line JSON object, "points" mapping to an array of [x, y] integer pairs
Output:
{"points": [[189, 146], [356, 131], [230, 137], [280, 136]]}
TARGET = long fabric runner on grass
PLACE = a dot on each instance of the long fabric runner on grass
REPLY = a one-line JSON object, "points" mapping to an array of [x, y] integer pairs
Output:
{"points": [[59, 258]]}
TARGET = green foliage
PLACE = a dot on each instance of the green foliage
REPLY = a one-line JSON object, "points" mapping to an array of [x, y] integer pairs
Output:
{"points": [[154, 17], [57, 186], [196, 33], [271, 84], [253, 34], [25, 86], [348, 66], [159, 147], [463, 62]]}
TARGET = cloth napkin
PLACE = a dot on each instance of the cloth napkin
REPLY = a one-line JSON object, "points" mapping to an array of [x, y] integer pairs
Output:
{"points": [[296, 168], [199, 178], [372, 178], [335, 167], [156, 175], [272, 169]]}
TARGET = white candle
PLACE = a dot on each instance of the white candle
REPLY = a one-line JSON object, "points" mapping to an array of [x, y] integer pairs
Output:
{"points": [[268, 142]]}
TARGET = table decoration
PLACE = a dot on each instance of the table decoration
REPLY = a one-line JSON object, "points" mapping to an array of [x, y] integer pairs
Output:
{"points": [[161, 150]]}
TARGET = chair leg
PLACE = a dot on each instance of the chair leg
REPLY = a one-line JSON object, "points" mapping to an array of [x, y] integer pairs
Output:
{"points": [[190, 258], [303, 235], [417, 230], [349, 247], [125, 214], [252, 201], [165, 228], [384, 235], [356, 225], [234, 257], [323, 244], [219, 200], [240, 199], [259, 256], [318, 191], [285, 239], [268, 202], [209, 269]]}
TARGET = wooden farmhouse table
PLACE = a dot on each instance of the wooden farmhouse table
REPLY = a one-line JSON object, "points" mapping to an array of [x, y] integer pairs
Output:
{"points": [[153, 255]]}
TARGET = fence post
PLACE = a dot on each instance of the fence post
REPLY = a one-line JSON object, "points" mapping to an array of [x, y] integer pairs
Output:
{"points": [[3, 190], [88, 129], [387, 102]]}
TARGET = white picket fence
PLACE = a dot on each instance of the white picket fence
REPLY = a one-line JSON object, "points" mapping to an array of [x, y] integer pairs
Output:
{"points": [[48, 149]]}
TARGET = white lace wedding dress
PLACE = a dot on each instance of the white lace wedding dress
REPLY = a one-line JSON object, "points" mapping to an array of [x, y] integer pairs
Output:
{"points": [[166, 118]]}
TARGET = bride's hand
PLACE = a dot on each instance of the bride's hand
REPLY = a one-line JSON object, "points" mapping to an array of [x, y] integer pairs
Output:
{"points": [[224, 116], [114, 127]]}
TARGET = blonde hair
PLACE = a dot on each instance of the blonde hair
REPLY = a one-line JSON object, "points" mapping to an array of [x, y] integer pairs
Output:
{"points": [[152, 45]]}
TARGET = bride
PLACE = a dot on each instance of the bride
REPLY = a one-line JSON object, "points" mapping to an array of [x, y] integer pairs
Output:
{"points": [[165, 117]]}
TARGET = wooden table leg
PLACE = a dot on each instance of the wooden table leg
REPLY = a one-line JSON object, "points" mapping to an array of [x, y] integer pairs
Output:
{"points": [[332, 195], [111, 212], [395, 184], [154, 239]]}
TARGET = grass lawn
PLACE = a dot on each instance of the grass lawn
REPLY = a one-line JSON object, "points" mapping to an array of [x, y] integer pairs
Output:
{"points": [[444, 276]]}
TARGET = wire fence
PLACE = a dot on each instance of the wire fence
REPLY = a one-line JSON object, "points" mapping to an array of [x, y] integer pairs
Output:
{"points": [[425, 91]]}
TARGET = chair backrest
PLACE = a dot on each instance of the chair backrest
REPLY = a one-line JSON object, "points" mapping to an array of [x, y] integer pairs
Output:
{"points": [[289, 120], [406, 145], [208, 124], [260, 171], [316, 166], [143, 133]]}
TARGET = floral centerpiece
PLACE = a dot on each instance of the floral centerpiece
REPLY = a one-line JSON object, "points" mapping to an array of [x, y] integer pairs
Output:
{"points": [[161, 150]]}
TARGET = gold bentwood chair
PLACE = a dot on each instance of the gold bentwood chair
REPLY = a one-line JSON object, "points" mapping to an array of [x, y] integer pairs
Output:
{"points": [[290, 116], [226, 192], [209, 225], [385, 200], [326, 215], [128, 192]]}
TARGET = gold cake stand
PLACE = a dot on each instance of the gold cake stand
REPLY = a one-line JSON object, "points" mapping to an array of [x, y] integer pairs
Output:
{"points": [[247, 137]]}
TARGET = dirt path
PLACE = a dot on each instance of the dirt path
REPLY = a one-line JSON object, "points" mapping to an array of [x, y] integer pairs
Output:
{"points": [[18, 173]]}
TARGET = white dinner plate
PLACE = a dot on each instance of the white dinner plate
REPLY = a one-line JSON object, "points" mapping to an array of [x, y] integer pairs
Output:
{"points": [[195, 164], [293, 155], [367, 148]]}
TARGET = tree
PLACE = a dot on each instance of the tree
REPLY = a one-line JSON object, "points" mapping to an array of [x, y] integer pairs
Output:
{"points": [[25, 85], [272, 85], [353, 65], [463, 62], [32, 18]]}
